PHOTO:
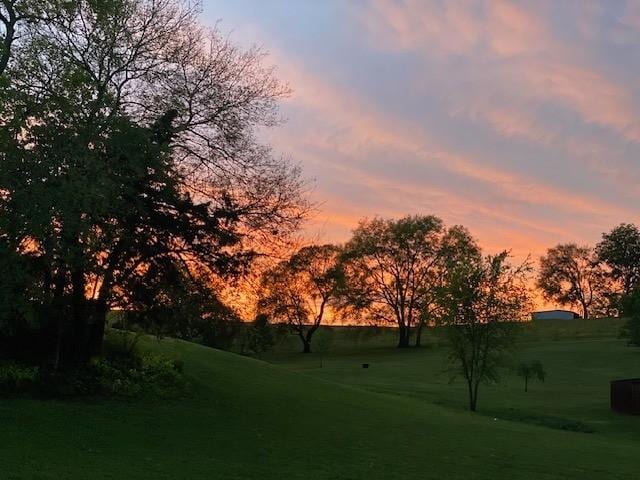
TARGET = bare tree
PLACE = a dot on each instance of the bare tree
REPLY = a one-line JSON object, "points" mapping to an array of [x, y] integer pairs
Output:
{"points": [[299, 291], [573, 275]]}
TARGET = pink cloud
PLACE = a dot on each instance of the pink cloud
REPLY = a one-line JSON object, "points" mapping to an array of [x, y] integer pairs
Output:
{"points": [[361, 130], [533, 62]]}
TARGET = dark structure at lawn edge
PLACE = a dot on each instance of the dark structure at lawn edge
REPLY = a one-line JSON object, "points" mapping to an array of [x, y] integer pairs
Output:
{"points": [[625, 396]]}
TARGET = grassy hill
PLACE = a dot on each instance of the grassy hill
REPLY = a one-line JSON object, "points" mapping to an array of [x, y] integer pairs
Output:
{"points": [[401, 418]]}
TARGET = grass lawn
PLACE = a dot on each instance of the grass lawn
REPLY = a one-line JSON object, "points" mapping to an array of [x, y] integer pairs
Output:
{"points": [[289, 419]]}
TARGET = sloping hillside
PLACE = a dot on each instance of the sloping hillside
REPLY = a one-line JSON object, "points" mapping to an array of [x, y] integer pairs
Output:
{"points": [[252, 420]]}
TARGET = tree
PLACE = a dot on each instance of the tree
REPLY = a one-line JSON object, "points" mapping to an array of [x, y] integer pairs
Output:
{"points": [[481, 303], [391, 270], [531, 370], [631, 310], [170, 300], [619, 249], [13, 13], [573, 275], [128, 140], [324, 340], [300, 290]]}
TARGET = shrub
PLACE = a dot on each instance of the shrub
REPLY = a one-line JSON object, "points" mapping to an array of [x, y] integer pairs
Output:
{"points": [[16, 379], [258, 337], [154, 376]]}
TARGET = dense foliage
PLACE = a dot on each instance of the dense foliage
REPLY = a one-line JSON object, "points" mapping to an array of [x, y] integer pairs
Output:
{"points": [[127, 150], [573, 275], [121, 371]]}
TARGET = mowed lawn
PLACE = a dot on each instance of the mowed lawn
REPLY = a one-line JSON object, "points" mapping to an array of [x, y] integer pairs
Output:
{"points": [[401, 418]]}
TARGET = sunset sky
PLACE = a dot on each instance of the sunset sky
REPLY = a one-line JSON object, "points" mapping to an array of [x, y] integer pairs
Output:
{"points": [[518, 120]]}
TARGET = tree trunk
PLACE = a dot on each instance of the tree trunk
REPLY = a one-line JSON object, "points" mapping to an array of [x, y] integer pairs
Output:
{"points": [[585, 311], [526, 384], [472, 403], [79, 351], [475, 396], [404, 336], [306, 346], [419, 333]]}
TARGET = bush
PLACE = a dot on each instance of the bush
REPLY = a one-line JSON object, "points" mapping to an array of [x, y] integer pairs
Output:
{"points": [[218, 332], [258, 337], [121, 371], [17, 379], [155, 376]]}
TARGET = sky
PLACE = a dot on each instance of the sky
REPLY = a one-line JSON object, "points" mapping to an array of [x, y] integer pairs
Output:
{"points": [[519, 120]]}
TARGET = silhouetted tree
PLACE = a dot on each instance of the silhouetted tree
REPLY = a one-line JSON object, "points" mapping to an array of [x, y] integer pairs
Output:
{"points": [[391, 270], [619, 249], [300, 290], [481, 303], [573, 275]]}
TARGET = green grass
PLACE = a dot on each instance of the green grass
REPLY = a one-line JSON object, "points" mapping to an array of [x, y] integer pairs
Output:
{"points": [[401, 418]]}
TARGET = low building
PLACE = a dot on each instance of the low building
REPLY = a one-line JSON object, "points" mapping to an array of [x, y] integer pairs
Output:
{"points": [[554, 315]]}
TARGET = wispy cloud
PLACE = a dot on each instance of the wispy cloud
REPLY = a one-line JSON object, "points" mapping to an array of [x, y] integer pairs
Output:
{"points": [[520, 120]]}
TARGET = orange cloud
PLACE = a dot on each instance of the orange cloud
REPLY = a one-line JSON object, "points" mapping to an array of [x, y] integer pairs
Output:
{"points": [[360, 129]]}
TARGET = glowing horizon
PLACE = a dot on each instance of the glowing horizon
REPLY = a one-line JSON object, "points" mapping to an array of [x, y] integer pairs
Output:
{"points": [[519, 120]]}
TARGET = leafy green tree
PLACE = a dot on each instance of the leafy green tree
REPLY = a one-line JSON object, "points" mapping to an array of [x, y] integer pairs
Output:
{"points": [[531, 371], [128, 142], [619, 249], [391, 270], [481, 303], [300, 290], [573, 275]]}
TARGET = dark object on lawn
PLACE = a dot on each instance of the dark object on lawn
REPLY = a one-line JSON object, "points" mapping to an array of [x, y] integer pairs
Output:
{"points": [[625, 396], [365, 365]]}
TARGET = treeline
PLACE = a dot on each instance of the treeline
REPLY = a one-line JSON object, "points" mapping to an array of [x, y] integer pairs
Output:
{"points": [[410, 272], [596, 280]]}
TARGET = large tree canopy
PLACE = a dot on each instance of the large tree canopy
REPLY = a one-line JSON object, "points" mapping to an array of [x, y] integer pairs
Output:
{"points": [[620, 251], [300, 291], [130, 140], [573, 275], [391, 269]]}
